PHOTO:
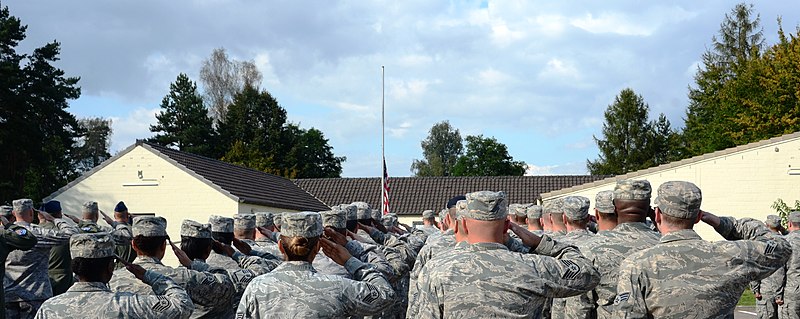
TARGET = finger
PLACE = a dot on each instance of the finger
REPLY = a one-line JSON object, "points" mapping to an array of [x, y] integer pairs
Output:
{"points": [[123, 261]]}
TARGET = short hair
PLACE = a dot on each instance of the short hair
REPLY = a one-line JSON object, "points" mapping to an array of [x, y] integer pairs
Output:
{"points": [[91, 269], [683, 223], [149, 245], [351, 225], [195, 248], [225, 238], [298, 248]]}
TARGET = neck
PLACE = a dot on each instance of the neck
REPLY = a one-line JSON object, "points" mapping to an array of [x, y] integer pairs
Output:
{"points": [[534, 227]]}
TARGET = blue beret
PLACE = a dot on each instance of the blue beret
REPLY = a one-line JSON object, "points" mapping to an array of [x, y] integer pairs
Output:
{"points": [[120, 207], [52, 207], [452, 202]]}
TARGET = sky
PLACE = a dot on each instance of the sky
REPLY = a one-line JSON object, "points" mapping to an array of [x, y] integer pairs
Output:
{"points": [[536, 75]]}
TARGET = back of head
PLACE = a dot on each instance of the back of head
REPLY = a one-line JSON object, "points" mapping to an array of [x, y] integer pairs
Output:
{"points": [[335, 218], [534, 213], [221, 229], [576, 211], [794, 220], [244, 226], [150, 235], [90, 211], [92, 256], [484, 216], [53, 208], [23, 209], [679, 204], [300, 235], [196, 239], [632, 200]]}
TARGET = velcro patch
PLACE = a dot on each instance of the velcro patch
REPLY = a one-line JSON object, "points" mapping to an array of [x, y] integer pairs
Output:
{"points": [[571, 269], [622, 297], [21, 231], [372, 296]]}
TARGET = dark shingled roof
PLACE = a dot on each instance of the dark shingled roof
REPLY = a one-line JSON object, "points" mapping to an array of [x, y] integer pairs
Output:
{"points": [[249, 185], [412, 195]]}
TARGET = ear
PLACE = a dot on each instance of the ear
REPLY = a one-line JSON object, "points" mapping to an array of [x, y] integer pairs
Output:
{"points": [[597, 215], [463, 224], [506, 226], [658, 217], [280, 246], [699, 217], [564, 218]]}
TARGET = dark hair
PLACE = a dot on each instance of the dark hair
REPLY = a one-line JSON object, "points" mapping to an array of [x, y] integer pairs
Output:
{"points": [[298, 248], [195, 248], [149, 246], [367, 221], [351, 225], [91, 269], [225, 238]]}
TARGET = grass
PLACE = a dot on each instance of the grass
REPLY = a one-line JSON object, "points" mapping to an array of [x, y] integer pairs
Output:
{"points": [[747, 298]]}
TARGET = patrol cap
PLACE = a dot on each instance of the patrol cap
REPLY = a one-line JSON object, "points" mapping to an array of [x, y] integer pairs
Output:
{"points": [[534, 211], [576, 207], [629, 189], [21, 205], [6, 210], [461, 208], [773, 221], [351, 210], [376, 214], [336, 218], [604, 202], [190, 228], [94, 245], [221, 224], [794, 217], [522, 210], [486, 205], [547, 207], [512, 209], [90, 207], [443, 214], [428, 214], [362, 210], [264, 219], [453, 201], [52, 207], [554, 206], [277, 219], [244, 221], [149, 226], [389, 220], [679, 199], [303, 224]]}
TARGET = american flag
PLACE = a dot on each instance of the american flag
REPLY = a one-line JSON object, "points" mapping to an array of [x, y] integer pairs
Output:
{"points": [[385, 192]]}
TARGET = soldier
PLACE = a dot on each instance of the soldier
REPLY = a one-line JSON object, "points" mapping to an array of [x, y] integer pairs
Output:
{"points": [[534, 220], [59, 269], [463, 282], [769, 291], [791, 295], [119, 230], [209, 288], [221, 231], [685, 276], [512, 213], [434, 245], [12, 237], [521, 214], [294, 289], [276, 221], [364, 216], [93, 260], [576, 217], [264, 243], [7, 213], [604, 211], [26, 282], [557, 218], [127, 253], [244, 229], [547, 222], [429, 225], [609, 248]]}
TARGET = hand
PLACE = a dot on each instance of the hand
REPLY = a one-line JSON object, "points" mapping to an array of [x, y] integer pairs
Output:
{"points": [[408, 228], [336, 252], [243, 247], [399, 230], [528, 238], [264, 231], [183, 258], [107, 219], [226, 249], [758, 296], [366, 228], [4, 221], [335, 236], [136, 270], [45, 216], [710, 219], [72, 218], [121, 217], [356, 237], [779, 301], [380, 227]]}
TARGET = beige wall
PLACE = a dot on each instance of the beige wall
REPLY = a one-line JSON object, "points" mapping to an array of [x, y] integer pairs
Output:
{"points": [[742, 184]]}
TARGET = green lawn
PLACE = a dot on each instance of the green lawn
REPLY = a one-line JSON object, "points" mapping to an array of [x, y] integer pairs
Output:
{"points": [[747, 298]]}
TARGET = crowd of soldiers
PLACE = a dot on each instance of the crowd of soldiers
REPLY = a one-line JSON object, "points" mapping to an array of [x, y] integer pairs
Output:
{"points": [[483, 258]]}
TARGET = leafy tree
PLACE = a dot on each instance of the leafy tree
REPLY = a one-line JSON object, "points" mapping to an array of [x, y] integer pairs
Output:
{"points": [[183, 121], [487, 157], [312, 155], [94, 143], [223, 78], [440, 150]]}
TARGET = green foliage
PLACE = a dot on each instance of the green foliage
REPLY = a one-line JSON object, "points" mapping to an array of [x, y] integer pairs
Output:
{"points": [[783, 209], [441, 150], [487, 157], [183, 121], [94, 143]]}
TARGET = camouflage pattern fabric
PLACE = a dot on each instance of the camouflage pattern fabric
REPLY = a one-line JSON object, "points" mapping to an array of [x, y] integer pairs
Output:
{"points": [[11, 239], [791, 295], [771, 289], [577, 238]]}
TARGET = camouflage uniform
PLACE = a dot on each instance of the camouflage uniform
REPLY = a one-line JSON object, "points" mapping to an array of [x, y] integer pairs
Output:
{"points": [[487, 280], [575, 208], [792, 291], [685, 276], [95, 300], [12, 238], [534, 212], [770, 288], [264, 244], [607, 249], [295, 289]]}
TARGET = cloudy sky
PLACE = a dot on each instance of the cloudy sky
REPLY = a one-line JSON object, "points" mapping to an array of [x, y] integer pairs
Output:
{"points": [[537, 75]]}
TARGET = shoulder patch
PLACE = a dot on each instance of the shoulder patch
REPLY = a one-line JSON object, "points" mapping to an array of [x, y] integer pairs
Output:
{"points": [[622, 297], [21, 231], [770, 247], [372, 296], [162, 304], [571, 269]]}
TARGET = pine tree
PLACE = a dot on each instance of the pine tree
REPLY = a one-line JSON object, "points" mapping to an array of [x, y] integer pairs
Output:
{"points": [[183, 122], [627, 134]]}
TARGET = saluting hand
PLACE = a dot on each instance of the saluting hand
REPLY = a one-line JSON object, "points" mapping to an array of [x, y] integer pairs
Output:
{"points": [[136, 270], [243, 247], [107, 219], [227, 250], [45, 216], [336, 252], [183, 258], [335, 236]]}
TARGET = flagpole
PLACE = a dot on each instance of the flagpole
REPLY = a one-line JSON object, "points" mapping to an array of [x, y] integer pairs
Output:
{"points": [[383, 140]]}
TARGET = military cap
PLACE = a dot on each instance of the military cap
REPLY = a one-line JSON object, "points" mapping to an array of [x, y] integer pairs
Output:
{"points": [[679, 199], [794, 217], [52, 207], [362, 210], [6, 210], [461, 208], [336, 218], [264, 219], [21, 205], [629, 189], [277, 219], [428, 214], [443, 214], [512, 209], [554, 206], [149, 226], [453, 201], [120, 207], [376, 214], [351, 211], [534, 211], [522, 210], [190, 228], [90, 207], [244, 221], [604, 202], [576, 207], [486, 205], [773, 221], [221, 224], [302, 224], [94, 245], [389, 220]]}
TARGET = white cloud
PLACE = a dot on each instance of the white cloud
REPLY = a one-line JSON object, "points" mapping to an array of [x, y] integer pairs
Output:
{"points": [[534, 170], [400, 131], [560, 69], [492, 77], [134, 125], [407, 89], [612, 22], [572, 168], [263, 64]]}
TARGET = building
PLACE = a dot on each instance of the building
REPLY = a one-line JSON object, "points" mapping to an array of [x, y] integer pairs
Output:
{"points": [[742, 181]]}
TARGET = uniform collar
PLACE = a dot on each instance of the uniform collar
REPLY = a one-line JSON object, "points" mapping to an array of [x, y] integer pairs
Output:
{"points": [[450, 231], [146, 260], [481, 246], [295, 266], [631, 227], [683, 234], [578, 232], [93, 286]]}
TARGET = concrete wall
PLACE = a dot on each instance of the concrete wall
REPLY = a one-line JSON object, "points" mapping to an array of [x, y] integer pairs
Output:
{"points": [[740, 184]]}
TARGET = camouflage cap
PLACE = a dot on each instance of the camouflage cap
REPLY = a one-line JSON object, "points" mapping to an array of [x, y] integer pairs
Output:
{"points": [[522, 210], [773, 221], [244, 221], [362, 210], [277, 219], [6, 210], [264, 219], [576, 207], [794, 217], [512, 209], [149, 226], [221, 224], [376, 214], [679, 199], [428, 214], [554, 206], [21, 205], [303, 224], [486, 205], [389, 220], [534, 211], [190, 228], [461, 208], [629, 189], [350, 210], [547, 207], [336, 218], [95, 245], [90, 207], [443, 214], [604, 202]]}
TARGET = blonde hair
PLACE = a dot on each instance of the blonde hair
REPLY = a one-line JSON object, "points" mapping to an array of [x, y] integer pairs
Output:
{"points": [[298, 248]]}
